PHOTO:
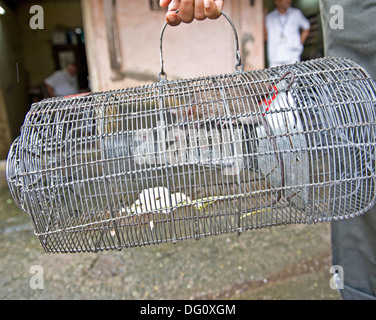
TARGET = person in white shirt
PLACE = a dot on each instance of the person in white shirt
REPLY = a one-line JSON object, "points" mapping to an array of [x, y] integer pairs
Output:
{"points": [[286, 30], [63, 82]]}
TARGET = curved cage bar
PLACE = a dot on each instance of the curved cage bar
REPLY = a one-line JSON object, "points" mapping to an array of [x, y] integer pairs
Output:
{"points": [[192, 158]]}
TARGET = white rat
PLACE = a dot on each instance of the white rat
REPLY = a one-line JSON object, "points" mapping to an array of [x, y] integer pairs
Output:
{"points": [[157, 198]]}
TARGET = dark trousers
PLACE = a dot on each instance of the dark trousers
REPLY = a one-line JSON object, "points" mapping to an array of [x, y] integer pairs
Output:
{"points": [[353, 240]]}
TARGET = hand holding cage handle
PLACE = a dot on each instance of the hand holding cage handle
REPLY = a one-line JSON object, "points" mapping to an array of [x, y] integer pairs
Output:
{"points": [[238, 65]]}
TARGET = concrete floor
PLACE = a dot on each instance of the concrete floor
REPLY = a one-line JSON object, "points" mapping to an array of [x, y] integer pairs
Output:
{"points": [[281, 263]]}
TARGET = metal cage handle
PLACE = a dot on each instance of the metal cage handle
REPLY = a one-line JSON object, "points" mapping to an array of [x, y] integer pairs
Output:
{"points": [[238, 66]]}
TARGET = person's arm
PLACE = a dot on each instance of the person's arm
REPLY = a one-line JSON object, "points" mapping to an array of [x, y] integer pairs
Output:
{"points": [[51, 82], [304, 26], [190, 10], [304, 35], [50, 90]]}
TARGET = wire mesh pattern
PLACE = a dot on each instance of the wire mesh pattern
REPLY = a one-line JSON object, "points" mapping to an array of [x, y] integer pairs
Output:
{"points": [[186, 159]]}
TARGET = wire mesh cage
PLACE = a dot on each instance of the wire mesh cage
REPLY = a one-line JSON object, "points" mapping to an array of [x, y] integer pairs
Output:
{"points": [[186, 159]]}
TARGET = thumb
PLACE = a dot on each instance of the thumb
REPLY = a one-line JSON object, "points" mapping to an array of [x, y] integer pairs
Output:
{"points": [[213, 8]]}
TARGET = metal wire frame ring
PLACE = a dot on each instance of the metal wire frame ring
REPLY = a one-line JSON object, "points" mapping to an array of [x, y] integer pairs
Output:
{"points": [[238, 65], [285, 75]]}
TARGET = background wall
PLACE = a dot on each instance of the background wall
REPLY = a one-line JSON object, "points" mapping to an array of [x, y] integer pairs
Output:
{"points": [[13, 96]]}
